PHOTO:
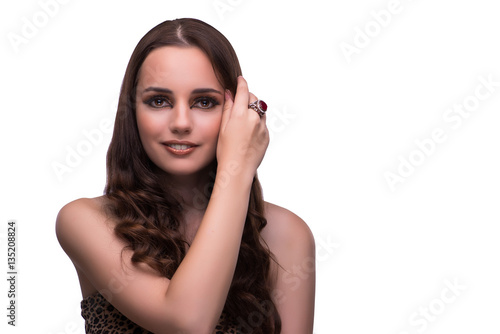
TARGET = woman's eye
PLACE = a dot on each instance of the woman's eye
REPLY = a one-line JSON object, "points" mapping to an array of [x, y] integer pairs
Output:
{"points": [[158, 102], [205, 103]]}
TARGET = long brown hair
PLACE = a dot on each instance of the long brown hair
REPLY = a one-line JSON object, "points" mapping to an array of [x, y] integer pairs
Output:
{"points": [[149, 216]]}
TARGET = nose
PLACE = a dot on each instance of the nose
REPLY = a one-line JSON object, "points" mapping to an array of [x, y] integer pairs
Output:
{"points": [[181, 121]]}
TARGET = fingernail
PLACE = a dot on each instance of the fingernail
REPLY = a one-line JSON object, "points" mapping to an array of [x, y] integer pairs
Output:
{"points": [[227, 94]]}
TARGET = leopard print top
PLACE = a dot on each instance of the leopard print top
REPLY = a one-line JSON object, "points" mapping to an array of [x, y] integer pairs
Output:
{"points": [[103, 318]]}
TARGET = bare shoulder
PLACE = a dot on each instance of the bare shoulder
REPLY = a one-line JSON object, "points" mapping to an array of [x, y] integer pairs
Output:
{"points": [[285, 231], [292, 244], [77, 219], [76, 210], [83, 205]]}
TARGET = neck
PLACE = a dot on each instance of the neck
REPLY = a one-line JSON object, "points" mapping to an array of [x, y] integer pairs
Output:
{"points": [[193, 190]]}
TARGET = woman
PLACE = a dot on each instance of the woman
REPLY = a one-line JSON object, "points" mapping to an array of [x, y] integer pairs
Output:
{"points": [[182, 241]]}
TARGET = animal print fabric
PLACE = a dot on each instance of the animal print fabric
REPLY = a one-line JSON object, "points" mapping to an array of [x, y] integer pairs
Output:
{"points": [[103, 318]]}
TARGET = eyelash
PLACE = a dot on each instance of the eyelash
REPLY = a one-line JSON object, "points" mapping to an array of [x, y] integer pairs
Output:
{"points": [[164, 99]]}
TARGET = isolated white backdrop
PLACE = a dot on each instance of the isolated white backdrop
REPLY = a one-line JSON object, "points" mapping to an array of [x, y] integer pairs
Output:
{"points": [[353, 86]]}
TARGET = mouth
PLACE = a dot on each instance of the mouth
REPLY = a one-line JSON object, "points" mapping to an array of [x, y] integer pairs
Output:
{"points": [[180, 148]]}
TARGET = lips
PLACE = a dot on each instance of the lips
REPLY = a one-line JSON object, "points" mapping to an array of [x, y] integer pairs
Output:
{"points": [[180, 147]]}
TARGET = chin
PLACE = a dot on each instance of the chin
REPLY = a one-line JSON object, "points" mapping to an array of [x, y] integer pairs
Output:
{"points": [[188, 169]]}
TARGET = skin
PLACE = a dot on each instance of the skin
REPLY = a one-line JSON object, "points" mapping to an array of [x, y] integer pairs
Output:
{"points": [[238, 137]]}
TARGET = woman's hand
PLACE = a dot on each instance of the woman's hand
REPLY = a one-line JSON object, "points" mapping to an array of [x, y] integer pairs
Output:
{"points": [[243, 136]]}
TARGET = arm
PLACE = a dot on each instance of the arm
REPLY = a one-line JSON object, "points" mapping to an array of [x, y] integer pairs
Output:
{"points": [[208, 267], [191, 302], [292, 244]]}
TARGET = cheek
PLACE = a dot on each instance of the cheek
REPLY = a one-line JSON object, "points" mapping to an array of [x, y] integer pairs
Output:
{"points": [[148, 127], [213, 128]]}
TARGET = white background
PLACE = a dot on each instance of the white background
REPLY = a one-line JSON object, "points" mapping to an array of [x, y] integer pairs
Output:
{"points": [[338, 124]]}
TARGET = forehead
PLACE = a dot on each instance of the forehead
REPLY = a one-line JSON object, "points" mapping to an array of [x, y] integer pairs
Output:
{"points": [[177, 67]]}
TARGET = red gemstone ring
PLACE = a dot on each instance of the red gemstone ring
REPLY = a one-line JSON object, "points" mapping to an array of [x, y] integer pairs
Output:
{"points": [[259, 106]]}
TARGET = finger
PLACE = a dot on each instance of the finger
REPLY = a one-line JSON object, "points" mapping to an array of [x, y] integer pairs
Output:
{"points": [[227, 108], [241, 98], [251, 98]]}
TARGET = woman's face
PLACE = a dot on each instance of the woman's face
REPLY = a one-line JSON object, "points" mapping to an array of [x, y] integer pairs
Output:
{"points": [[179, 109]]}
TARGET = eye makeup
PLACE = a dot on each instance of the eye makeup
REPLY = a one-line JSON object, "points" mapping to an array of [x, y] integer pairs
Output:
{"points": [[164, 100]]}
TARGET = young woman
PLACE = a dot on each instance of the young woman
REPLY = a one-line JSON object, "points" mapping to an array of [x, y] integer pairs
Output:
{"points": [[182, 241]]}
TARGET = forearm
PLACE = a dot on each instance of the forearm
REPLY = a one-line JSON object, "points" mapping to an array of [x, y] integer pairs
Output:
{"points": [[201, 283], [198, 289]]}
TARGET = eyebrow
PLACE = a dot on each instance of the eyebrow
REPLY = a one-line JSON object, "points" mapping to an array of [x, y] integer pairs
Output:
{"points": [[168, 91]]}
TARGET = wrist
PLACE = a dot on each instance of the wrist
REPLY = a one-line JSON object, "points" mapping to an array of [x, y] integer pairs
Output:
{"points": [[235, 170], [232, 175]]}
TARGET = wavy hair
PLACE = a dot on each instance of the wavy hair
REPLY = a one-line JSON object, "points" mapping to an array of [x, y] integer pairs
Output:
{"points": [[149, 216]]}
